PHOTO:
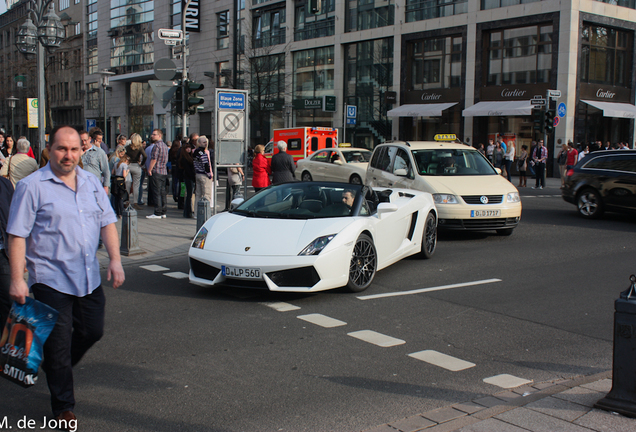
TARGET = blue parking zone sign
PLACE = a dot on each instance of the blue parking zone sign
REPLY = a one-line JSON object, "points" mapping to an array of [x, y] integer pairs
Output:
{"points": [[352, 111]]}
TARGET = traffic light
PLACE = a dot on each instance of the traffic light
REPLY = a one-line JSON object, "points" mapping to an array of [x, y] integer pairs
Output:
{"points": [[193, 102], [549, 121], [177, 101], [537, 119]]}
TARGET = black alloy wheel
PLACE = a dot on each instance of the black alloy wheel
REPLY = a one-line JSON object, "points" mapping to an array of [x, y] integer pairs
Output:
{"points": [[363, 264]]}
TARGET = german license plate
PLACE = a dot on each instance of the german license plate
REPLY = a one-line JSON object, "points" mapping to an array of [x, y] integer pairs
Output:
{"points": [[485, 213], [241, 272]]}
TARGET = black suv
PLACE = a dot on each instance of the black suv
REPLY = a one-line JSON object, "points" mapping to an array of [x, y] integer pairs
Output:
{"points": [[603, 180]]}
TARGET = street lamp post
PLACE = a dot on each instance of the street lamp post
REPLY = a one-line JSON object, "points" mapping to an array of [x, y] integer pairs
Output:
{"points": [[31, 38], [105, 81], [11, 100]]}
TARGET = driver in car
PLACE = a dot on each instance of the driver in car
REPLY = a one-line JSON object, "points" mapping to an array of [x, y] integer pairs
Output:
{"points": [[348, 197]]}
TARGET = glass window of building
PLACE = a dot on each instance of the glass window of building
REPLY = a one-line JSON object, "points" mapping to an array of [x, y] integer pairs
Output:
{"points": [[313, 72], [92, 95], [175, 14], [222, 30], [91, 36], [520, 55], [268, 28], [368, 14], [434, 63], [419, 10], [141, 109], [132, 53], [309, 25], [606, 56], [493, 4], [130, 12], [267, 77], [368, 76]]}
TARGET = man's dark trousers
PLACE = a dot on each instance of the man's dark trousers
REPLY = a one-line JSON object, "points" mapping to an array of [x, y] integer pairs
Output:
{"points": [[159, 193], [540, 170], [79, 325]]}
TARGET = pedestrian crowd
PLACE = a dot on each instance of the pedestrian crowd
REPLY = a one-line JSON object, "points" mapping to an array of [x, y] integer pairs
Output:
{"points": [[503, 155]]}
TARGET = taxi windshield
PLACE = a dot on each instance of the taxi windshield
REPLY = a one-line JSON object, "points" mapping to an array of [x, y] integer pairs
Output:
{"points": [[357, 156], [451, 162]]}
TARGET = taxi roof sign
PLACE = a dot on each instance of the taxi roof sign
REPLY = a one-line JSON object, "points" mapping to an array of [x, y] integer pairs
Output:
{"points": [[445, 137], [344, 145]]}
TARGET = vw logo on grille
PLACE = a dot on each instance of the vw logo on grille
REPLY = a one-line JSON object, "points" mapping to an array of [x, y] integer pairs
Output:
{"points": [[484, 199], [247, 248]]}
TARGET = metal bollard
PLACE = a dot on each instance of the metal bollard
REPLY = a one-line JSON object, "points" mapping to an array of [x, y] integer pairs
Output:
{"points": [[203, 212], [129, 233], [622, 397]]}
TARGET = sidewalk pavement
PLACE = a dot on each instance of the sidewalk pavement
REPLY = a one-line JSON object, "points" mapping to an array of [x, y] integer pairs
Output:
{"points": [[562, 405]]}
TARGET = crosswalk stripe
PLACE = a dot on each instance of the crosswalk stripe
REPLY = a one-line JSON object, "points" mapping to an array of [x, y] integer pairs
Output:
{"points": [[506, 381], [154, 268], [177, 275], [376, 338], [322, 320], [442, 360], [281, 306]]}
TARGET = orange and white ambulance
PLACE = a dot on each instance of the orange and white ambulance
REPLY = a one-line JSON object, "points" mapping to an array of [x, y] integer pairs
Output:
{"points": [[302, 141]]}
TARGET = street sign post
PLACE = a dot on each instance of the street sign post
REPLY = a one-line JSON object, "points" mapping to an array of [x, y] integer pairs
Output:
{"points": [[554, 94], [562, 109], [164, 90], [170, 34], [538, 102]]}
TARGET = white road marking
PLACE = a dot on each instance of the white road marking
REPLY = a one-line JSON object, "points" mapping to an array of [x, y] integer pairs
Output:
{"points": [[376, 338], [506, 381], [322, 320], [177, 275], [281, 306], [442, 360], [423, 290], [154, 268]]}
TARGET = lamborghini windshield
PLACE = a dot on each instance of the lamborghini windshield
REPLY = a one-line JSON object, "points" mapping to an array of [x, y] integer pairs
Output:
{"points": [[304, 200], [451, 162]]}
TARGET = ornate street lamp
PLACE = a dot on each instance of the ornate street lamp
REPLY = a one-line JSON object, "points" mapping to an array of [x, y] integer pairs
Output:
{"points": [[11, 100], [31, 38]]}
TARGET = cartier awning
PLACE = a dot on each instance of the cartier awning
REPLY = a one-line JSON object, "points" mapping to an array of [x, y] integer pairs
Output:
{"points": [[499, 108], [420, 110], [614, 109]]}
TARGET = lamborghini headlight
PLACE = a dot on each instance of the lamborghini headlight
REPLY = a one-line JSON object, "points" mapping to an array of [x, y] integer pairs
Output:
{"points": [[199, 240], [445, 199], [316, 246]]}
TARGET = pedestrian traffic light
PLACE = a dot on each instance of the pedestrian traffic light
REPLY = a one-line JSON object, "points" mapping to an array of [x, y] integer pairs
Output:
{"points": [[193, 102], [537, 119], [177, 100], [549, 121]]}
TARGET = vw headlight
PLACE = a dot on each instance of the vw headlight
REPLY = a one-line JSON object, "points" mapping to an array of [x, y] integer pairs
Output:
{"points": [[513, 197], [316, 246], [199, 240], [445, 199]]}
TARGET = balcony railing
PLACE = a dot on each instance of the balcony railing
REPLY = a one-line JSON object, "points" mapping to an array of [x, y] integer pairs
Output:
{"points": [[316, 30], [428, 9]]}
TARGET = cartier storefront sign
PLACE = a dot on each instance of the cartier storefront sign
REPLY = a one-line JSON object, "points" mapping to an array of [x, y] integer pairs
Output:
{"points": [[606, 93], [431, 96], [512, 92]]}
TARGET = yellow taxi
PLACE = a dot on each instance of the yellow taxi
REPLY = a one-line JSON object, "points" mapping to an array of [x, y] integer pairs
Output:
{"points": [[469, 193]]}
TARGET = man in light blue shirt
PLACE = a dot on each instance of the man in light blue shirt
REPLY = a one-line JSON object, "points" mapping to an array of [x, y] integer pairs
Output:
{"points": [[55, 221]]}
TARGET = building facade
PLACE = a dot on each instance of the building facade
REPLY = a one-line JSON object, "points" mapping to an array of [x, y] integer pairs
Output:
{"points": [[413, 68]]}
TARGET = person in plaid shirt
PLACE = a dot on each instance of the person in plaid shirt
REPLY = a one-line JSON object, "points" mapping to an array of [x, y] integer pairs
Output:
{"points": [[158, 173]]}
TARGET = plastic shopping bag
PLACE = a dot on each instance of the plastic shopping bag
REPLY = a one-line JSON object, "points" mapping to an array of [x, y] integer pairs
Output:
{"points": [[23, 337]]}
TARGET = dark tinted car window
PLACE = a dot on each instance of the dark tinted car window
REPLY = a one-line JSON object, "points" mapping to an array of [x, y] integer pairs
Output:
{"points": [[626, 163], [377, 157]]}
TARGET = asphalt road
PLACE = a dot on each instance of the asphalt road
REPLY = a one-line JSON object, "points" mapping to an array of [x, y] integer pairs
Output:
{"points": [[180, 357]]}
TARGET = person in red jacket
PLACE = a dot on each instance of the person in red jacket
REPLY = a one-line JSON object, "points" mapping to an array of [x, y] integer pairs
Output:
{"points": [[262, 169]]}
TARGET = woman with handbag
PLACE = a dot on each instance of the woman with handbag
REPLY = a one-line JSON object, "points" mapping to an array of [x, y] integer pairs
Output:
{"points": [[120, 189], [522, 165], [186, 166]]}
